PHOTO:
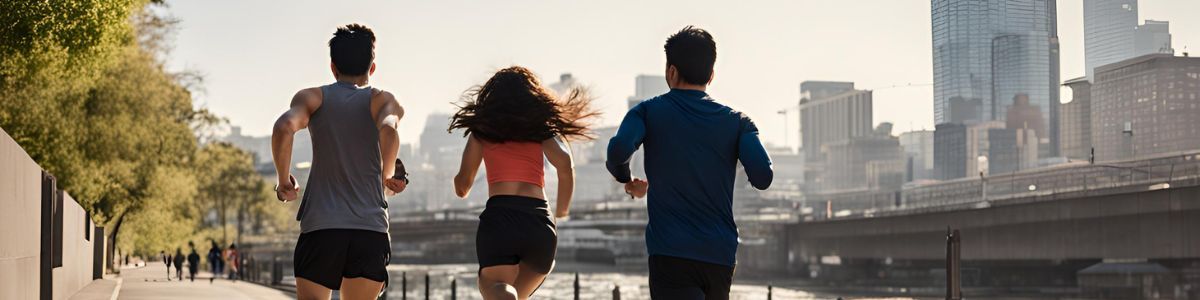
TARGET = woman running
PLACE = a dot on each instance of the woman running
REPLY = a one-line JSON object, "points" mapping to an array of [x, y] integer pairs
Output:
{"points": [[510, 123]]}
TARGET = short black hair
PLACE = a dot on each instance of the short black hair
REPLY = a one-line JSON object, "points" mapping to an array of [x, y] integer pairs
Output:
{"points": [[693, 52], [352, 49]]}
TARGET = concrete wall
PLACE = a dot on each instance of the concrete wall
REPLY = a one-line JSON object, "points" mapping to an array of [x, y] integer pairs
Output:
{"points": [[76, 270], [20, 231], [20, 217]]}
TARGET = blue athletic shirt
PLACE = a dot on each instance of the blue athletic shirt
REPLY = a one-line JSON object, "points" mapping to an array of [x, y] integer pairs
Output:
{"points": [[692, 145]]}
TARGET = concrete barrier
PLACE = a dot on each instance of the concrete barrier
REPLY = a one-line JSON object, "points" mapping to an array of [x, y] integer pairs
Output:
{"points": [[26, 243]]}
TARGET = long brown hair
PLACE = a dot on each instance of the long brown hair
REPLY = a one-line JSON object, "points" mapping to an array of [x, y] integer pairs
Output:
{"points": [[513, 106]]}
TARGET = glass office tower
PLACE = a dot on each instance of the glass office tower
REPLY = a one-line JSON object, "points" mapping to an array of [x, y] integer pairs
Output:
{"points": [[986, 53]]}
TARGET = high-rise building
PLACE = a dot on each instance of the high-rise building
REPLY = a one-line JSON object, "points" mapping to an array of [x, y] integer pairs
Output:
{"points": [[833, 118], [979, 146], [259, 147], [864, 162], [1025, 115], [918, 149], [986, 53], [1145, 106], [1075, 121], [962, 150], [816, 90], [950, 151], [1108, 32], [1011, 150], [1153, 37]]}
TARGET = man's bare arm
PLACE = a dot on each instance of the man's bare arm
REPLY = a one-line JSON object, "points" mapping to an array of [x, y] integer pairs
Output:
{"points": [[303, 104], [387, 114]]}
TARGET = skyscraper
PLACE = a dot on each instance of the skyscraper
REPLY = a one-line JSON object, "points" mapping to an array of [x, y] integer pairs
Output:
{"points": [[987, 57], [986, 53], [1153, 37], [1108, 32], [950, 151], [832, 119]]}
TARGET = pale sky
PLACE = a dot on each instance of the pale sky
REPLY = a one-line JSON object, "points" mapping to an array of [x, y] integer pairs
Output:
{"points": [[256, 54]]}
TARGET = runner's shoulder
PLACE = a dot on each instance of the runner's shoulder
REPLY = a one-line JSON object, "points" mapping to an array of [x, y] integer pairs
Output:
{"points": [[384, 97], [309, 97], [309, 93]]}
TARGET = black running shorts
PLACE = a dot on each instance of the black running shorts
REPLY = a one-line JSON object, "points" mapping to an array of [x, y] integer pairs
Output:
{"points": [[516, 230], [685, 279], [326, 256]]}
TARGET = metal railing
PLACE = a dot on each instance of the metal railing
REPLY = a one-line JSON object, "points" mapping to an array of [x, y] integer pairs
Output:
{"points": [[1072, 180]]}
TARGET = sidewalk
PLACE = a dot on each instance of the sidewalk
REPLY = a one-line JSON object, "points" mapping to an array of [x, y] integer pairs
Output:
{"points": [[151, 283]]}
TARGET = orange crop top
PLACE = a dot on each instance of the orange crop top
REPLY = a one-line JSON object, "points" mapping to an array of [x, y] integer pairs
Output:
{"points": [[514, 162]]}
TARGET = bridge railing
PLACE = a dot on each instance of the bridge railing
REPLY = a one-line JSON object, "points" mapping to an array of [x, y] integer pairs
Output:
{"points": [[1069, 180]]}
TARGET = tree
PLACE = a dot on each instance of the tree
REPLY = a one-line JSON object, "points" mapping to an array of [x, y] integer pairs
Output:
{"points": [[83, 90], [228, 183], [85, 95]]}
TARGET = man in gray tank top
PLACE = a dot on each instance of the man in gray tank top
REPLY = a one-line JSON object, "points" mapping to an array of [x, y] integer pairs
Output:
{"points": [[344, 243]]}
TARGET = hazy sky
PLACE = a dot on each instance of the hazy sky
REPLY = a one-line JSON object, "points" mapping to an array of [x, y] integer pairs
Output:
{"points": [[256, 54]]}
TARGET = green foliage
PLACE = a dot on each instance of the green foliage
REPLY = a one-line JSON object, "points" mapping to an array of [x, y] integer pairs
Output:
{"points": [[130, 131], [168, 216], [82, 90], [53, 54]]}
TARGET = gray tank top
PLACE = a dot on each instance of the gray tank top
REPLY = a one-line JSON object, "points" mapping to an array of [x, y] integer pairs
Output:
{"points": [[345, 185]]}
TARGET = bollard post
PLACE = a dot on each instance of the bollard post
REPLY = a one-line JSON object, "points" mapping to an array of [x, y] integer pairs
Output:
{"points": [[769, 292], [453, 288], [616, 292], [426, 286], [276, 271], [953, 263], [576, 285], [403, 285]]}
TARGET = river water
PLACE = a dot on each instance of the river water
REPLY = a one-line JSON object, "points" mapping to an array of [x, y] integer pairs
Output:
{"points": [[594, 284]]}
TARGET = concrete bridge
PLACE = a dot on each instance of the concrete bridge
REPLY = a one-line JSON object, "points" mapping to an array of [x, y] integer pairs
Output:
{"points": [[1062, 228]]}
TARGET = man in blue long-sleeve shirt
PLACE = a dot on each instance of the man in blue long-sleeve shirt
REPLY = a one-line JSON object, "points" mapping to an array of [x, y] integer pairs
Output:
{"points": [[693, 145]]}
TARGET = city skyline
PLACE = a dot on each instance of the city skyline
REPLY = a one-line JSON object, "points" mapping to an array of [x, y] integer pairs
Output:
{"points": [[758, 70]]}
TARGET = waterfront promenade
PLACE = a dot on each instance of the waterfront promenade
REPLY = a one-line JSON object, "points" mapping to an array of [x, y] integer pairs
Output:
{"points": [[150, 282]]}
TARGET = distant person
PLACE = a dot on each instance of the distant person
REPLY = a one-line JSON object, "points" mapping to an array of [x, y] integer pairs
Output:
{"points": [[215, 261], [166, 259], [231, 261], [193, 262], [511, 122], [344, 243], [178, 260], [693, 145]]}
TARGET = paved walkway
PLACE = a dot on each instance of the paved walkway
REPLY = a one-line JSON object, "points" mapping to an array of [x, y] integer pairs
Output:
{"points": [[151, 283]]}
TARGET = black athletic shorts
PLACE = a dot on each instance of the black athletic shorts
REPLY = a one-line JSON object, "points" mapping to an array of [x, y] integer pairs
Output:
{"points": [[516, 230], [325, 256], [685, 279]]}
